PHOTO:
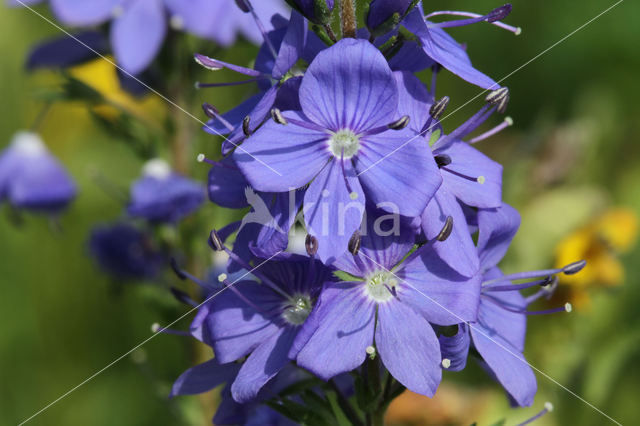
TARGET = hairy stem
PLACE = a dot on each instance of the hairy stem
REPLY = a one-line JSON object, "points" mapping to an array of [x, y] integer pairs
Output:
{"points": [[348, 18]]}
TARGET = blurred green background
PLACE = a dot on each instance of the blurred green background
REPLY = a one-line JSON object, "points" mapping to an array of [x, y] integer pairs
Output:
{"points": [[571, 155]]}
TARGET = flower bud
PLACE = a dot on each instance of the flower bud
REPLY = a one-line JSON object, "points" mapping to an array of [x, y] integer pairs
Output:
{"points": [[316, 11]]}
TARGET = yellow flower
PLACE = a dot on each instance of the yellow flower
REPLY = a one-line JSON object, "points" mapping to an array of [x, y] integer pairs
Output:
{"points": [[599, 243], [102, 76]]}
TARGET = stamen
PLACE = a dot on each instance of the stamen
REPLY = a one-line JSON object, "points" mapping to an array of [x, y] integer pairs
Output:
{"points": [[311, 244], [446, 229], [499, 98], [267, 41], [213, 113], [157, 328], [442, 160], [201, 158], [184, 275], [277, 116], [215, 241], [181, 296], [513, 287], [508, 121], [245, 126], [446, 363], [438, 107], [492, 17], [399, 124], [548, 407], [354, 243], [571, 268], [567, 307], [200, 85], [479, 179]]}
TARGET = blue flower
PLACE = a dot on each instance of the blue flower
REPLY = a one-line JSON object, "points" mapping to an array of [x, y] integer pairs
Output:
{"points": [[468, 176], [263, 321], [275, 74], [31, 178], [340, 142], [498, 334], [387, 309], [444, 50], [139, 27], [125, 252], [161, 195]]}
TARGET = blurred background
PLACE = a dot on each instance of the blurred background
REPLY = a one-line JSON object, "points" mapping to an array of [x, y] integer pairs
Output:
{"points": [[572, 168]]}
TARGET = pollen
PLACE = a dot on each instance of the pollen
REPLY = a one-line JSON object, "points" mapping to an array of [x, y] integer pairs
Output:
{"points": [[344, 143], [222, 277], [481, 180], [353, 195], [446, 363]]}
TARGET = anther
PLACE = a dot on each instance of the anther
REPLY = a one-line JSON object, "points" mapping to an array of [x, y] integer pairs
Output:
{"points": [[442, 160], [176, 269], [568, 307], [446, 363], [399, 124], [210, 111], [277, 116], [481, 179], [222, 277], [208, 63], [243, 6], [155, 327], [311, 244], [574, 268], [446, 229], [353, 195], [548, 406], [245, 126], [499, 98], [499, 13], [354, 243], [215, 241], [181, 296], [438, 108]]}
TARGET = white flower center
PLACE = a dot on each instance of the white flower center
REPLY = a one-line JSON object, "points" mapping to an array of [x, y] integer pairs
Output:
{"points": [[29, 144], [380, 286], [156, 168], [297, 311], [344, 141]]}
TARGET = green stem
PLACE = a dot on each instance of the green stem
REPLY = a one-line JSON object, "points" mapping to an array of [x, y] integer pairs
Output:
{"points": [[348, 18], [345, 405]]}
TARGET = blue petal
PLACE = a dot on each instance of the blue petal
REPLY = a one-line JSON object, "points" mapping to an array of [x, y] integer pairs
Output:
{"points": [[238, 328], [292, 46], [435, 290], [137, 35], [349, 85], [458, 250], [456, 348], [278, 158], [507, 363], [394, 164], [331, 215], [497, 227], [66, 51], [414, 100], [445, 50], [83, 13], [263, 363], [203, 377], [345, 320], [408, 347], [226, 185], [470, 162]]}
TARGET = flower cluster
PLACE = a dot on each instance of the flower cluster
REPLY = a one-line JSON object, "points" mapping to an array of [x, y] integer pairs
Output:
{"points": [[405, 224]]}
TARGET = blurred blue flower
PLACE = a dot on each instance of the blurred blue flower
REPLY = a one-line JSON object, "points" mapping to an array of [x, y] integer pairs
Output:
{"points": [[161, 195], [125, 252], [31, 177]]}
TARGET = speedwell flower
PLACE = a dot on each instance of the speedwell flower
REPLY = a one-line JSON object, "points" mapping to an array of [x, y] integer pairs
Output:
{"points": [[341, 142]]}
